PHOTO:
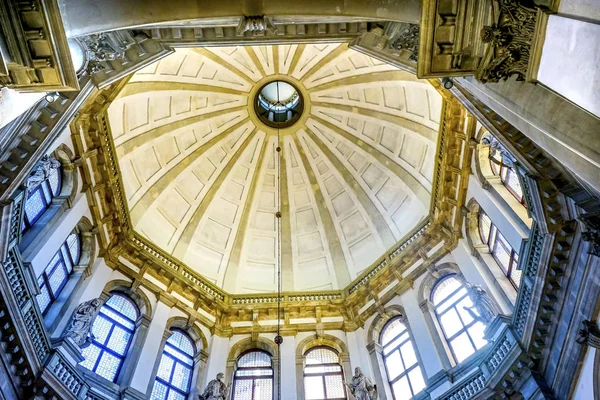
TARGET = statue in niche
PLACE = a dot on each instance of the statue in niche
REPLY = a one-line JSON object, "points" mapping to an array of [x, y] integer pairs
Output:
{"points": [[361, 387], [216, 389], [483, 309], [80, 329], [41, 171]]}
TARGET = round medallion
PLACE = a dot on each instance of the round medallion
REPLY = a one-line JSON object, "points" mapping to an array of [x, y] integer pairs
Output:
{"points": [[278, 104]]}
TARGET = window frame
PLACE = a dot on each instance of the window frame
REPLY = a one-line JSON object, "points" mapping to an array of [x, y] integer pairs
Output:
{"points": [[324, 374], [493, 242], [438, 315], [176, 361], [253, 378], [104, 347], [60, 261], [26, 222], [502, 170], [405, 372]]}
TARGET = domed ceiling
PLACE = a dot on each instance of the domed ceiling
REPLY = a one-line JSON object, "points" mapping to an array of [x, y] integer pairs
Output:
{"points": [[203, 177]]}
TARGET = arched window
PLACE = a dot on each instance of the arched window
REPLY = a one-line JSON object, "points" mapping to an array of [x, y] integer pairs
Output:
{"points": [[506, 257], [463, 333], [55, 276], [39, 199], [113, 329], [400, 359], [502, 166], [174, 375], [253, 378], [323, 375]]}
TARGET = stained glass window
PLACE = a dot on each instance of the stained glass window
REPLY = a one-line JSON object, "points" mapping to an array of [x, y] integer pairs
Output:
{"points": [[506, 257], [53, 279], [401, 365], [113, 329], [462, 332], [253, 379], [323, 375], [39, 199], [174, 375], [503, 168]]}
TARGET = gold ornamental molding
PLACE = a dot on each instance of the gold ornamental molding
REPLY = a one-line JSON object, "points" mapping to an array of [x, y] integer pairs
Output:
{"points": [[226, 314]]}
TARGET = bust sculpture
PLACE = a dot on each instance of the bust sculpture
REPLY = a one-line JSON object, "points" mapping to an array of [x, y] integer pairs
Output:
{"points": [[483, 304], [81, 324], [361, 387], [216, 389]]}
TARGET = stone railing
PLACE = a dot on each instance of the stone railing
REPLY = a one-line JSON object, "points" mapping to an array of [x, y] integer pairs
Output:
{"points": [[286, 298], [67, 375]]}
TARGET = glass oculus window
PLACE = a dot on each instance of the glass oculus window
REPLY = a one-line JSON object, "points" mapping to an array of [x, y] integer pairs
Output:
{"points": [[323, 375], [174, 375], [40, 198], [55, 276], [278, 104], [506, 257], [462, 332], [253, 379], [508, 176], [400, 359], [113, 329]]}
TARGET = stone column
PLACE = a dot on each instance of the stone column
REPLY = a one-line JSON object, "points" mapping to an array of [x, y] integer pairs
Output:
{"points": [[357, 347], [217, 360], [287, 358], [150, 347], [433, 353]]}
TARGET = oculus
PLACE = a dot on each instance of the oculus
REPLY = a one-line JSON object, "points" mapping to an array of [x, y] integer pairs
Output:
{"points": [[278, 104]]}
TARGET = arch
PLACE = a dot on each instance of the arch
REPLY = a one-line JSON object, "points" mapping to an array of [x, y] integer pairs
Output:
{"points": [[85, 228], [248, 344], [432, 277], [137, 296], [193, 331], [70, 177], [175, 366], [374, 332], [254, 372]]}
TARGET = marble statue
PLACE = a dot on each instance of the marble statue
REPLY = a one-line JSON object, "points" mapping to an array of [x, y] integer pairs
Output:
{"points": [[216, 389], [361, 387], [483, 304], [80, 329], [41, 171]]}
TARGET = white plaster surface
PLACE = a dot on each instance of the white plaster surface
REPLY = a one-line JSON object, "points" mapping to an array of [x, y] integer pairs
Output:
{"points": [[13, 104], [574, 46], [585, 382]]}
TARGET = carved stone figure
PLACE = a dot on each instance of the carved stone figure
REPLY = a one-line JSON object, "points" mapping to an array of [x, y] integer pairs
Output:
{"points": [[589, 334], [482, 303], [408, 39], [106, 46], [81, 324], [216, 389], [591, 234], [42, 171], [256, 24], [496, 147], [361, 387]]}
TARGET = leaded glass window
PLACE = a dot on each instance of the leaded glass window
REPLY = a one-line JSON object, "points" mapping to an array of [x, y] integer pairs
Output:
{"points": [[253, 379], [323, 375], [400, 359], [503, 168], [462, 332], [52, 281], [506, 257], [113, 330], [39, 199], [174, 375]]}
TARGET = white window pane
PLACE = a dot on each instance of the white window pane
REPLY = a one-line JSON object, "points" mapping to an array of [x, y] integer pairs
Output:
{"points": [[181, 377], [450, 322], [182, 342], [255, 359], [462, 347], [108, 366], [313, 387], [392, 330], [243, 390], [476, 332], [118, 341], [321, 369], [464, 314], [114, 316], [401, 389], [263, 389], [101, 328], [159, 391], [416, 380], [173, 395], [90, 355], [394, 365], [408, 355], [321, 356], [485, 223], [123, 305], [391, 346], [444, 289], [334, 386], [164, 368], [448, 303]]}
